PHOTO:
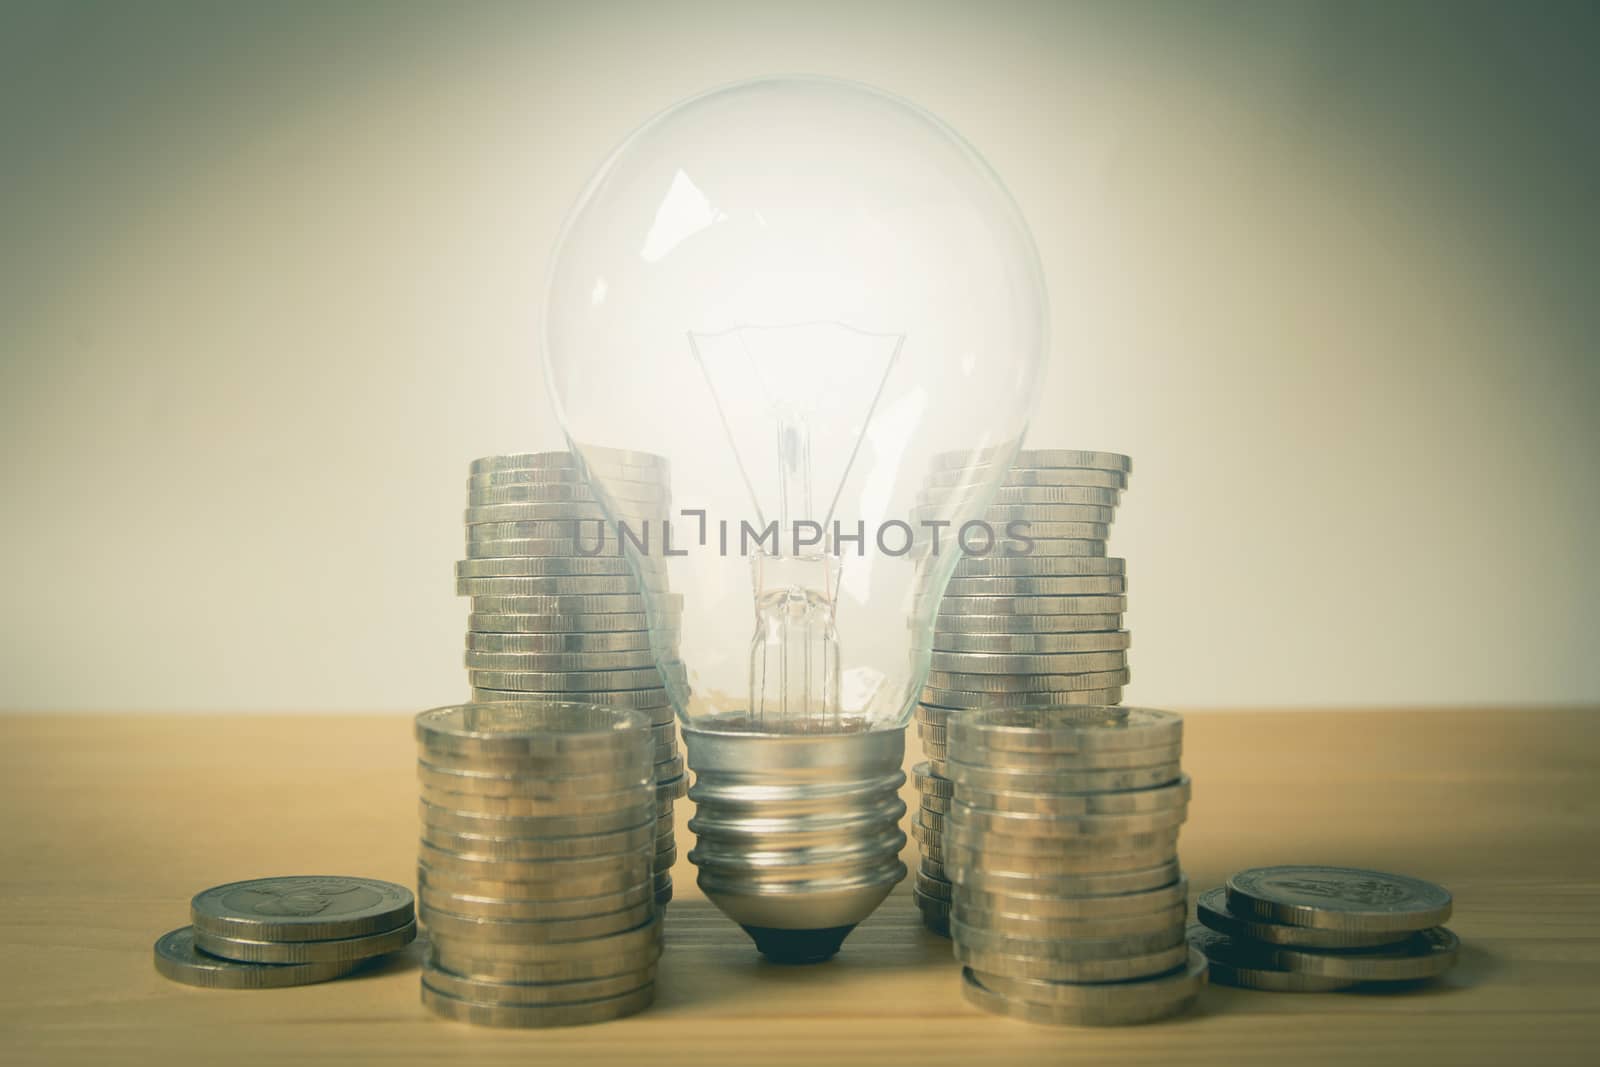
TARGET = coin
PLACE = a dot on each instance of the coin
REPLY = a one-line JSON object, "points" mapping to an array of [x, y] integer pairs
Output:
{"points": [[552, 932], [668, 603], [1040, 968], [1046, 929], [1027, 683], [965, 623], [530, 993], [652, 702], [1021, 475], [1338, 898], [540, 1015], [1027, 495], [582, 644], [177, 958], [489, 950], [333, 950], [1067, 730], [968, 665], [563, 825], [1078, 949], [590, 546], [1041, 458], [1041, 585], [1239, 964], [301, 908], [984, 777], [474, 904], [1423, 954], [1023, 761], [949, 643], [541, 848], [571, 788], [1127, 802], [613, 736], [643, 493], [954, 607], [587, 877], [495, 622], [997, 566], [1072, 906], [579, 585], [1212, 910], [960, 699], [460, 960], [1070, 828], [541, 662], [574, 682], [544, 566], [1085, 887], [592, 457], [1101, 1004]]}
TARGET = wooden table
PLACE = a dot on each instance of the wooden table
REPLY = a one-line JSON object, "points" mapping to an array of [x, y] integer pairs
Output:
{"points": [[112, 822]]}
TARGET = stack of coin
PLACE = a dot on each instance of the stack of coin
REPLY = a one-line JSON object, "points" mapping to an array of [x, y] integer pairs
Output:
{"points": [[268, 933], [559, 607], [1317, 929], [1020, 630], [1061, 840], [534, 871]]}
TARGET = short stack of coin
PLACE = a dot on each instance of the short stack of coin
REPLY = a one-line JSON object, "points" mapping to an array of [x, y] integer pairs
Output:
{"points": [[535, 866], [1318, 929], [1015, 630], [268, 933], [1061, 841], [558, 608]]}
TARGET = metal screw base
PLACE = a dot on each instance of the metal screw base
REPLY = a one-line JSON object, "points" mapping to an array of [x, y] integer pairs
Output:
{"points": [[797, 835]]}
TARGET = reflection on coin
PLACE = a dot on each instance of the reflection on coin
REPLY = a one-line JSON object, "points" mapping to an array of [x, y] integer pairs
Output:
{"points": [[301, 908], [177, 958]]}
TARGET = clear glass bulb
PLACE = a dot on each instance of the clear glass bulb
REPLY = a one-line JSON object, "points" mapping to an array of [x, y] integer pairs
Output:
{"points": [[799, 291]]}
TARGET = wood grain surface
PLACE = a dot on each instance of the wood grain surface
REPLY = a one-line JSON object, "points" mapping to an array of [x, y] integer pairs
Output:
{"points": [[112, 822]]}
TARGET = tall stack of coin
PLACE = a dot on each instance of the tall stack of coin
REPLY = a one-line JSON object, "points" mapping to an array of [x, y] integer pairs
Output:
{"points": [[1027, 624], [1061, 840], [1317, 929], [534, 870], [562, 605]]}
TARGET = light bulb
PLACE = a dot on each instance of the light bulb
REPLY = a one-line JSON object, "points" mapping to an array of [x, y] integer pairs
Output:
{"points": [[798, 291]]}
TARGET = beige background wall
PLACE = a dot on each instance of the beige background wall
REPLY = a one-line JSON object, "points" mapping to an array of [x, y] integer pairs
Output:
{"points": [[1327, 271]]}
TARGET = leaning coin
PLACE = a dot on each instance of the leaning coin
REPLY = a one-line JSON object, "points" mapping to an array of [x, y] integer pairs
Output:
{"points": [[1212, 909], [1424, 954], [532, 993], [1039, 968], [177, 958], [1115, 1004], [1068, 730], [344, 949], [1338, 898], [301, 908], [531, 1016], [1239, 963]]}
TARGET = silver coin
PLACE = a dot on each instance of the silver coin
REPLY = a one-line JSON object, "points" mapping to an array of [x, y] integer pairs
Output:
{"points": [[947, 625], [531, 1016], [1033, 762], [1212, 910], [592, 457], [1015, 857], [592, 547], [954, 607], [489, 950], [1051, 928], [568, 788], [568, 681], [1051, 585], [1067, 828], [544, 566], [334, 950], [582, 644], [583, 585], [177, 958], [1040, 968], [948, 643], [494, 622], [929, 783], [459, 960], [1111, 657], [989, 680], [521, 662], [301, 908], [547, 492], [1030, 476], [532, 756], [559, 803], [1127, 802], [1033, 548], [992, 695], [624, 603], [1012, 502], [473, 929], [551, 729], [1084, 887], [948, 701], [541, 848], [603, 874], [653, 702], [578, 825], [1048, 529], [1078, 949], [1075, 781], [1075, 908], [1338, 898], [540, 898], [1039, 458], [559, 477], [1069, 730], [514, 994], [994, 566], [1113, 1004]]}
